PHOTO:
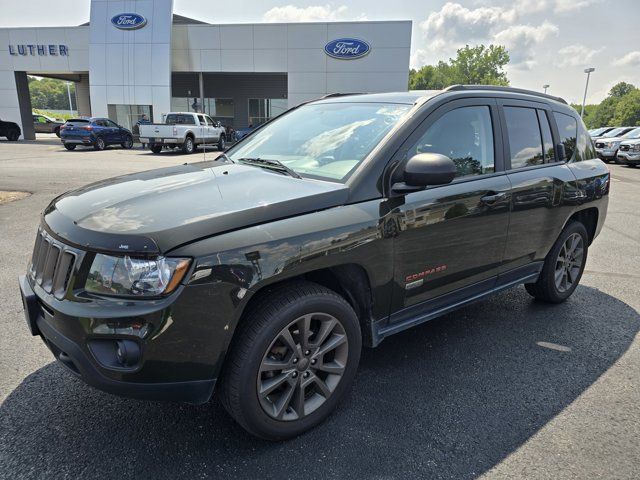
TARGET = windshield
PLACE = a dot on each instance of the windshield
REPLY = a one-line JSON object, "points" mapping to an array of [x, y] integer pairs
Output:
{"points": [[614, 133], [597, 131], [325, 140], [635, 133]]}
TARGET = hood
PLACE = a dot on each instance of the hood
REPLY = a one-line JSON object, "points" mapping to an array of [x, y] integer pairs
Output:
{"points": [[630, 141], [158, 210]]}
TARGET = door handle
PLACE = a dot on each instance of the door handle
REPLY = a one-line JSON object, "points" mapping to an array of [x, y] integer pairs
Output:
{"points": [[493, 197]]}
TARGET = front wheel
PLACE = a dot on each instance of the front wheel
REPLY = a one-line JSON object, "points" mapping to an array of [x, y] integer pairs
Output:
{"points": [[99, 144], [293, 360], [128, 142], [563, 266], [221, 143]]}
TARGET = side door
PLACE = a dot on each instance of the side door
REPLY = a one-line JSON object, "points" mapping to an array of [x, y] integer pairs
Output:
{"points": [[203, 130], [451, 238], [213, 132], [543, 186], [116, 134], [39, 124]]}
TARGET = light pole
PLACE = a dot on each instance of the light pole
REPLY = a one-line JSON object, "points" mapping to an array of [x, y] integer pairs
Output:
{"points": [[69, 94], [584, 99], [545, 88]]}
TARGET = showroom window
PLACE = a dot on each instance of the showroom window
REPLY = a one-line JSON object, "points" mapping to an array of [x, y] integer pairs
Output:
{"points": [[128, 115], [262, 110]]}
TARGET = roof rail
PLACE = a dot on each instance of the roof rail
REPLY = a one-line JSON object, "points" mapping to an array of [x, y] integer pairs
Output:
{"points": [[338, 94], [454, 88]]}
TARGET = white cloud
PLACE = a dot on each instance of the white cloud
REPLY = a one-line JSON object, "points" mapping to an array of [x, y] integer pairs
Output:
{"points": [[563, 6], [577, 55], [631, 59], [312, 13], [521, 39]]}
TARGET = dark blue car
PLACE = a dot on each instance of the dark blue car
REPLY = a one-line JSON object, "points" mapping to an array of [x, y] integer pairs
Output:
{"points": [[95, 132]]}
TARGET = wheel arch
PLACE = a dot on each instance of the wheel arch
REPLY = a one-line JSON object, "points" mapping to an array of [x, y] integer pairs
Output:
{"points": [[589, 218]]}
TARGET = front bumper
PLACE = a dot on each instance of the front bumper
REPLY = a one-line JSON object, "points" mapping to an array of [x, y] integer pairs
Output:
{"points": [[606, 154], [174, 368], [629, 158]]}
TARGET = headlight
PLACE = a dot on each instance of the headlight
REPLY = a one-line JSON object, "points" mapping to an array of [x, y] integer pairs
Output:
{"points": [[636, 147], [135, 276]]}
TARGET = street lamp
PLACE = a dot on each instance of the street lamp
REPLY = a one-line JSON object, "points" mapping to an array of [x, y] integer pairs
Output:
{"points": [[545, 88], [584, 99], [69, 94]]}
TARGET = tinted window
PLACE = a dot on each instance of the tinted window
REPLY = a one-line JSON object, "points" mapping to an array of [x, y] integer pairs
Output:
{"points": [[111, 123], [77, 122], [209, 121], [465, 135], [525, 143], [585, 149], [201, 120], [547, 138], [182, 119], [568, 130]]}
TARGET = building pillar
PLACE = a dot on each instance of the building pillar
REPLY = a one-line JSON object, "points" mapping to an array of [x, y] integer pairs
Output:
{"points": [[83, 99], [201, 86], [24, 101]]}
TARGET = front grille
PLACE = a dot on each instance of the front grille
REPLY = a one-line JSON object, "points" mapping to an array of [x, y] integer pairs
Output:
{"points": [[52, 264], [599, 145], [624, 148]]}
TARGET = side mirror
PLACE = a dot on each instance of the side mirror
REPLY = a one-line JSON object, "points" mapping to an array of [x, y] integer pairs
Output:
{"points": [[426, 169]]}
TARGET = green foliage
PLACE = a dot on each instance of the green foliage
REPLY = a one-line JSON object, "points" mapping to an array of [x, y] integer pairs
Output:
{"points": [[62, 116], [49, 93], [472, 65], [620, 108]]}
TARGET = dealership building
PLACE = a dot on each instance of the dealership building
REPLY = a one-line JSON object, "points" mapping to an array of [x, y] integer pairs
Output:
{"points": [[137, 57]]}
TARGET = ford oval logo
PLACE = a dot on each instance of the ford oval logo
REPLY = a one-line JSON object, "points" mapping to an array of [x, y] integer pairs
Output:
{"points": [[347, 48], [128, 21]]}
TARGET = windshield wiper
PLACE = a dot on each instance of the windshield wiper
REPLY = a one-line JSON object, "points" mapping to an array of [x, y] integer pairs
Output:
{"points": [[270, 164]]}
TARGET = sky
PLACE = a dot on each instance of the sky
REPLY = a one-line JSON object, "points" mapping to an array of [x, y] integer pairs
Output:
{"points": [[549, 41]]}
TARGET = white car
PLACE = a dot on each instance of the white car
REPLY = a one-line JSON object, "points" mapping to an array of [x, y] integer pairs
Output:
{"points": [[629, 152], [185, 130]]}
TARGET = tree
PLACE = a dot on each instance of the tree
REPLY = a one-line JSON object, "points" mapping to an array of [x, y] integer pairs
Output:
{"points": [[472, 65], [627, 111], [50, 94], [621, 89]]}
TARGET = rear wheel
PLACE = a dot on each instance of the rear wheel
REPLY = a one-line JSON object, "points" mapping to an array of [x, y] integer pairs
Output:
{"points": [[99, 144], [188, 146], [295, 358], [128, 142], [563, 266], [70, 146], [156, 148], [13, 135]]}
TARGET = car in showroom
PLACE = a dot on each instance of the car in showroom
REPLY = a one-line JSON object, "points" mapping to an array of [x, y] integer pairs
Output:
{"points": [[607, 146], [10, 130], [94, 132], [629, 152], [44, 124], [260, 275], [183, 130]]}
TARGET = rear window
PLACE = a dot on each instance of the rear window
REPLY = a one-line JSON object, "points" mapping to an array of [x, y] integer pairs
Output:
{"points": [[525, 141], [179, 119], [77, 122], [568, 130]]}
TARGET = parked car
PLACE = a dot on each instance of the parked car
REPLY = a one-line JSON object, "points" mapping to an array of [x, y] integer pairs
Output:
{"points": [[184, 130], [243, 132], [94, 132], [341, 222], [598, 132], [11, 130], [44, 124], [607, 145], [629, 152]]}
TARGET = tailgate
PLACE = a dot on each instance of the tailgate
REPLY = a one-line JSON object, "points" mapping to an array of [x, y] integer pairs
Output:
{"points": [[157, 130]]}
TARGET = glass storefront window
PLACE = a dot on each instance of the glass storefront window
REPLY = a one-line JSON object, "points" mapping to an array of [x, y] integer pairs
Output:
{"points": [[128, 115], [264, 109]]}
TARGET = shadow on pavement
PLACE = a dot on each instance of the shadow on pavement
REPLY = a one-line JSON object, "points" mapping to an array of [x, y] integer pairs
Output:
{"points": [[448, 399]]}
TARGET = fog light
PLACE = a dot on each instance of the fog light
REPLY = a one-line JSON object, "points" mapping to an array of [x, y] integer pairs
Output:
{"points": [[127, 352]]}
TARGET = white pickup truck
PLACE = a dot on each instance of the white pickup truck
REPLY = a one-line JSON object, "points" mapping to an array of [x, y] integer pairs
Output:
{"points": [[185, 130]]}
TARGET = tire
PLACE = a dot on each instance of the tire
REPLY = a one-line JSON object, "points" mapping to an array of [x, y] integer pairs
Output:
{"points": [[155, 148], [558, 279], [260, 336], [57, 132], [13, 135], [99, 144], [188, 146], [221, 143], [70, 146], [631, 165], [128, 143]]}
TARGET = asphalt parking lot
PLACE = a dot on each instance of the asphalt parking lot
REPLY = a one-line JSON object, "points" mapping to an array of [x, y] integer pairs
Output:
{"points": [[504, 388]]}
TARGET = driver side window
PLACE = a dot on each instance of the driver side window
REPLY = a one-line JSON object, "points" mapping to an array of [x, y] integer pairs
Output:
{"points": [[465, 135]]}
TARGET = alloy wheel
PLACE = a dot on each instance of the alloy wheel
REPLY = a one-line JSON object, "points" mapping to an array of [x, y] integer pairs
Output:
{"points": [[569, 262], [302, 367]]}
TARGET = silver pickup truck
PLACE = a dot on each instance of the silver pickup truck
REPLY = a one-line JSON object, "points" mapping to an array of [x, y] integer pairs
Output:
{"points": [[185, 130]]}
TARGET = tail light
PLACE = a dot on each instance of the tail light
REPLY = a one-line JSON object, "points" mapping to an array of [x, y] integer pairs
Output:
{"points": [[88, 128]]}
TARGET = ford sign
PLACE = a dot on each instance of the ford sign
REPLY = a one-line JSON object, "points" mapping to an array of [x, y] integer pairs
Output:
{"points": [[347, 48], [129, 21]]}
